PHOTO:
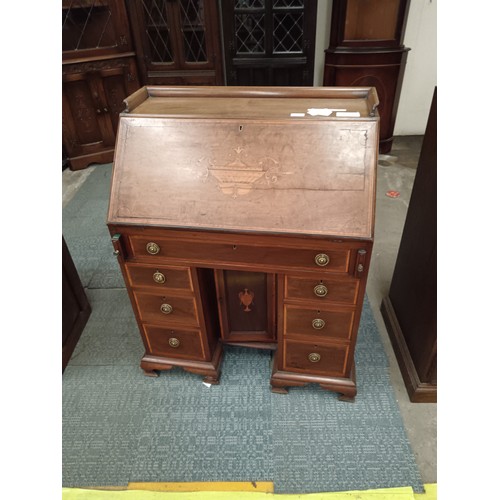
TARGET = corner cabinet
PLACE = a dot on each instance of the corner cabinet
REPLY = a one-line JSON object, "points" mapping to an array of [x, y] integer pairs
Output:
{"points": [[244, 216], [177, 41], [366, 48], [98, 72]]}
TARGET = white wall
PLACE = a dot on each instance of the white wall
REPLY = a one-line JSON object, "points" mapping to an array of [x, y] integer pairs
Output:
{"points": [[323, 21], [420, 75]]}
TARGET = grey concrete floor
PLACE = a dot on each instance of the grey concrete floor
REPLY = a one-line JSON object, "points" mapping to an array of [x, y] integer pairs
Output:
{"points": [[396, 171]]}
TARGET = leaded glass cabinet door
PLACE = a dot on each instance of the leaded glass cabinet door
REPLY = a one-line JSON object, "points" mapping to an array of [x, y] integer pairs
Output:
{"points": [[177, 41], [94, 28], [269, 42]]}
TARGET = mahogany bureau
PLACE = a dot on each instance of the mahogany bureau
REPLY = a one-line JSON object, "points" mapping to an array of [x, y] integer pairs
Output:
{"points": [[245, 216]]}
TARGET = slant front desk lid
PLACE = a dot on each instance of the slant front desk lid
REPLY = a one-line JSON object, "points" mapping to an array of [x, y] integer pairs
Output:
{"points": [[263, 159]]}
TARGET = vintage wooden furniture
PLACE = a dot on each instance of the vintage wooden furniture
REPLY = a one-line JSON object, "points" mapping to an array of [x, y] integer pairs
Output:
{"points": [[410, 309], [75, 306], [269, 42], [98, 72], [366, 48], [245, 216], [177, 41]]}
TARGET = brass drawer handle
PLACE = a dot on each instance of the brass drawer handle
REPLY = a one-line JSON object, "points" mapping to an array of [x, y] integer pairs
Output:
{"points": [[320, 290], [152, 248], [166, 308], [322, 259], [314, 357], [159, 277], [318, 323], [173, 342]]}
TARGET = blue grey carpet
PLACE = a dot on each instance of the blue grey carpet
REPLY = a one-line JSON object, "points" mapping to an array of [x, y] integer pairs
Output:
{"points": [[120, 426]]}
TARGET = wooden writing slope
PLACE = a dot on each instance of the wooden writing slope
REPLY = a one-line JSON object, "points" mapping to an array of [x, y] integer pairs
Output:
{"points": [[245, 216]]}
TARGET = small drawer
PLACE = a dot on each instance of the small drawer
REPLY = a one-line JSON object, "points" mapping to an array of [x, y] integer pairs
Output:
{"points": [[237, 253], [174, 343], [166, 309], [321, 359], [177, 278], [318, 322], [326, 290]]}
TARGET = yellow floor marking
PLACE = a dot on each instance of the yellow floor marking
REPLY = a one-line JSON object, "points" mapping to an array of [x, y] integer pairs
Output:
{"points": [[405, 493], [430, 492], [262, 486]]}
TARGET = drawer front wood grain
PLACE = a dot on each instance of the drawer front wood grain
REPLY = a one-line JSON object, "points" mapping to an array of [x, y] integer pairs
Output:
{"points": [[320, 359], [166, 309], [160, 277], [323, 291], [203, 252], [319, 322], [174, 343]]}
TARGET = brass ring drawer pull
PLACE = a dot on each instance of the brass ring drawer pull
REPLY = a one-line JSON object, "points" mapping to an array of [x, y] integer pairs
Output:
{"points": [[322, 259], [152, 248], [159, 277], [318, 323], [166, 308], [320, 290], [173, 342], [314, 357]]}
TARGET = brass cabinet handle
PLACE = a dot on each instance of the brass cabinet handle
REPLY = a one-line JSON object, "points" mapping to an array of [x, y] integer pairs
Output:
{"points": [[314, 357], [173, 342], [159, 277], [322, 259], [166, 308], [320, 290], [152, 248], [318, 323]]}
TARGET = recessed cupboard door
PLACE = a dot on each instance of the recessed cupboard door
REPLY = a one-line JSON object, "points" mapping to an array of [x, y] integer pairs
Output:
{"points": [[92, 98]]}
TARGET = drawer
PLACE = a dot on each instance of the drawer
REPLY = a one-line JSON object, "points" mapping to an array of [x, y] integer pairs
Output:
{"points": [[319, 322], [161, 277], [212, 253], [321, 359], [166, 309], [323, 291], [174, 343]]}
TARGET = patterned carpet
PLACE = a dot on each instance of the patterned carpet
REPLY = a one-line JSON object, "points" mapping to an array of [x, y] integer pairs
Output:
{"points": [[120, 426]]}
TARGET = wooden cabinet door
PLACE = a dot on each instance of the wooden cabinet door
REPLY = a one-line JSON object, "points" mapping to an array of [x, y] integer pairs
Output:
{"points": [[93, 28], [177, 41], [269, 42], [93, 97], [115, 84], [85, 128]]}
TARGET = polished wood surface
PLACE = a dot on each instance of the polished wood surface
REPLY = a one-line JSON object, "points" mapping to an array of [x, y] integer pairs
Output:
{"points": [[410, 309], [174, 343], [177, 45], [366, 48], [325, 322], [260, 222], [268, 42], [246, 306], [247, 174], [159, 277], [98, 72], [75, 306]]}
